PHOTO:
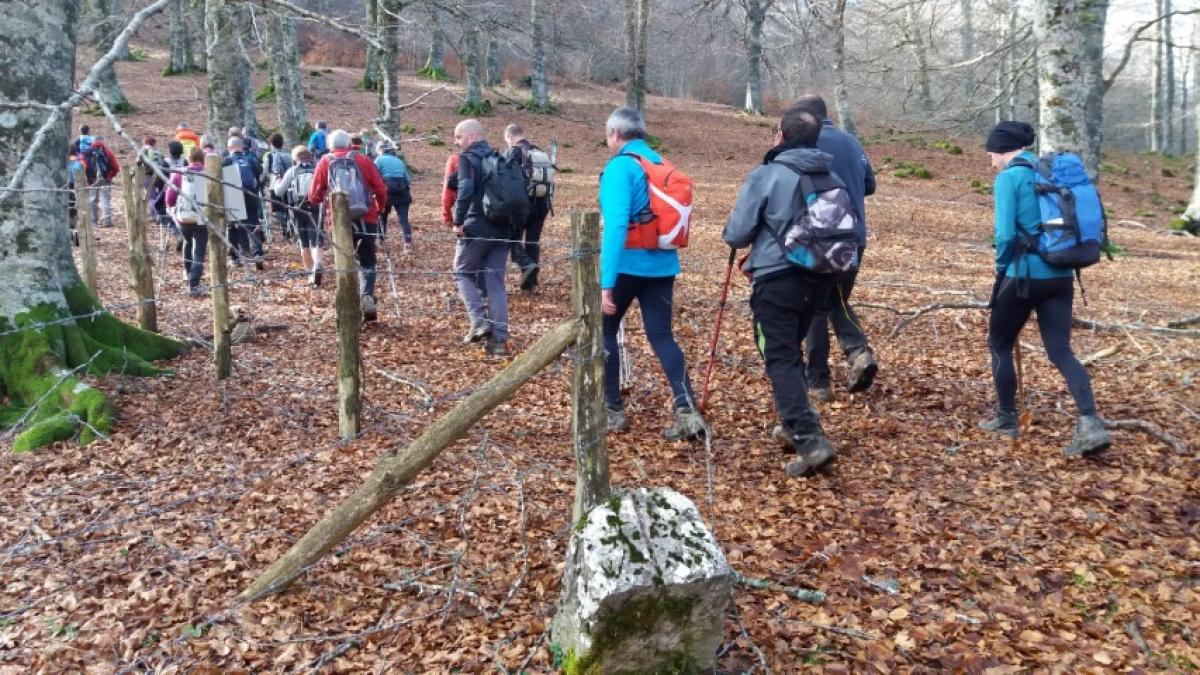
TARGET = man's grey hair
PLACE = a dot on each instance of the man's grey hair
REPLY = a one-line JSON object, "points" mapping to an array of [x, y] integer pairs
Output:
{"points": [[627, 122], [514, 131], [339, 139], [235, 142], [235, 131]]}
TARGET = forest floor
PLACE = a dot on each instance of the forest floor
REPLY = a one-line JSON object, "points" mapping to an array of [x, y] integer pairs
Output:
{"points": [[940, 547]]}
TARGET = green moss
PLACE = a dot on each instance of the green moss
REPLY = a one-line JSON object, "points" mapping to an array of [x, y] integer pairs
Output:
{"points": [[267, 93], [480, 109], [408, 129], [530, 105], [435, 74], [949, 147], [638, 617], [654, 142], [912, 170]]}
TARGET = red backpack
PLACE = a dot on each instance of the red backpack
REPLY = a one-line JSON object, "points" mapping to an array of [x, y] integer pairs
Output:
{"points": [[664, 224]]}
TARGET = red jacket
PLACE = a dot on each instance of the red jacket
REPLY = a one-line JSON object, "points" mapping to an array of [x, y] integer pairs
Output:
{"points": [[449, 188], [113, 167], [372, 181]]}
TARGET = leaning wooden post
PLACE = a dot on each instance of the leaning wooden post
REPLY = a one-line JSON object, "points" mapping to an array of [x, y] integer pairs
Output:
{"points": [[349, 317], [83, 228], [218, 266], [141, 266], [395, 471], [588, 417]]}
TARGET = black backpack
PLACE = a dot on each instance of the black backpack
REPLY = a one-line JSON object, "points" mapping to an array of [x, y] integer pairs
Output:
{"points": [[505, 199], [97, 164]]}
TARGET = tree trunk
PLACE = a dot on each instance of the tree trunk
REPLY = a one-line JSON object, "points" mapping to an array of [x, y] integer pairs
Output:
{"points": [[1168, 105], [108, 26], [1060, 27], [537, 75], [198, 9], [286, 76], [471, 65], [228, 69], [1193, 208], [181, 41], [966, 34], [637, 17], [243, 17], [1156, 82], [842, 91], [370, 78], [495, 67], [1094, 120], [41, 346], [435, 64], [916, 38], [756, 16], [389, 68]]}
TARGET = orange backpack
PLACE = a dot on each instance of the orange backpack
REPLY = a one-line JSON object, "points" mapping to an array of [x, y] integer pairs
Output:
{"points": [[665, 223]]}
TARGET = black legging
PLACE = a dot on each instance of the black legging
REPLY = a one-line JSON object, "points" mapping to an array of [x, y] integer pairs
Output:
{"points": [[1052, 299]]}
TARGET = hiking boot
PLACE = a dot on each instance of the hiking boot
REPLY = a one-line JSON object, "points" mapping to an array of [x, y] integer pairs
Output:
{"points": [[812, 452], [820, 394], [179, 246], [494, 348], [479, 330], [195, 292], [1090, 437], [529, 276], [1005, 422], [688, 424], [258, 264], [368, 308], [862, 370], [617, 421], [314, 279]]}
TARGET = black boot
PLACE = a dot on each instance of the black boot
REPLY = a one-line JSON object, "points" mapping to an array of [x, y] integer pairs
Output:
{"points": [[1005, 422]]}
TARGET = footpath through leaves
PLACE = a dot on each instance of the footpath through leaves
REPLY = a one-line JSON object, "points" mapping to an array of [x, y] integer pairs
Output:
{"points": [[939, 547]]}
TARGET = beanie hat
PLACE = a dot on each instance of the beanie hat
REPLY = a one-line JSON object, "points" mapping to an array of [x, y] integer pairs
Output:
{"points": [[1008, 136]]}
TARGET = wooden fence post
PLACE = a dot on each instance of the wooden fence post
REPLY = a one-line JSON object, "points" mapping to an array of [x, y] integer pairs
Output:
{"points": [[588, 416], [141, 266], [349, 318], [83, 227], [218, 266]]}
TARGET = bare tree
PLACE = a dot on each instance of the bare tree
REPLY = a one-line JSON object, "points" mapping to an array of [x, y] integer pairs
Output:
{"points": [[182, 60], [51, 326], [283, 49], [1156, 84], [537, 71], [1060, 27], [841, 90], [472, 62], [435, 64], [389, 68], [637, 19], [1168, 75], [966, 36], [756, 17], [104, 33], [495, 59], [914, 32], [1093, 41], [370, 78], [228, 69], [1192, 214]]}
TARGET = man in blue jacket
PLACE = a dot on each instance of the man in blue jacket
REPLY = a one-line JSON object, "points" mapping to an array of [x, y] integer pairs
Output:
{"points": [[317, 142], [645, 275], [850, 163]]}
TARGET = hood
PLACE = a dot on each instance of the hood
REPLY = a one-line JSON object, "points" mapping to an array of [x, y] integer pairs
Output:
{"points": [[807, 159]]}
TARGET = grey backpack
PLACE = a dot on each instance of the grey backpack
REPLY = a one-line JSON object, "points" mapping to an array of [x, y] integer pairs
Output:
{"points": [[345, 177]]}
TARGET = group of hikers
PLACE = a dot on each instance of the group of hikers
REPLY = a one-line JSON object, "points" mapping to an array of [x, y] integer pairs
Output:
{"points": [[801, 213]]}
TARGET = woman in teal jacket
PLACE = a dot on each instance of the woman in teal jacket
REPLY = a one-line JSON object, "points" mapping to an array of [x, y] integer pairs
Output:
{"points": [[1025, 283]]}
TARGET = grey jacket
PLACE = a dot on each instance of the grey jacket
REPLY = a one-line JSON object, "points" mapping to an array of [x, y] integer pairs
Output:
{"points": [[766, 201]]}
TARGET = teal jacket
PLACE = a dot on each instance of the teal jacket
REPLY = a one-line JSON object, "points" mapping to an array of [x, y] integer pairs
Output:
{"points": [[1017, 207], [623, 192]]}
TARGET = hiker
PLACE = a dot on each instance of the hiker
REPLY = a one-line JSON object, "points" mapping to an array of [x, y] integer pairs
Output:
{"points": [[185, 198], [82, 142], [317, 144], [207, 145], [294, 189], [366, 143], [149, 159], [234, 133], [355, 174], [539, 173], [74, 171], [177, 155], [278, 161], [1026, 283], [449, 195], [850, 163], [188, 138], [790, 288], [246, 235], [643, 274], [101, 167], [255, 144], [395, 176]]}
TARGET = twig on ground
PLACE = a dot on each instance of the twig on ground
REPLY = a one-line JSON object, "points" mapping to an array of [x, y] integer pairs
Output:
{"points": [[426, 397], [1103, 353], [1184, 323], [802, 594], [1151, 429], [1159, 330], [742, 632], [918, 313]]}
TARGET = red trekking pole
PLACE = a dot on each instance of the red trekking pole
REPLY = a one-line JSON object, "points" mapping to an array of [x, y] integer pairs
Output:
{"points": [[712, 351]]}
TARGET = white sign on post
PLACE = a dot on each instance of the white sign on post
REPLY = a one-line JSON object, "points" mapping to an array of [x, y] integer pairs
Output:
{"points": [[235, 200]]}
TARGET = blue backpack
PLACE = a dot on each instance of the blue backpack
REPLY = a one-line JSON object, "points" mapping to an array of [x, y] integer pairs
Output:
{"points": [[1074, 228], [245, 164]]}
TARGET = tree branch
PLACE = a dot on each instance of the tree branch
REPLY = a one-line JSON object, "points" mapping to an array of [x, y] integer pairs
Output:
{"points": [[1152, 429], [328, 21], [1134, 39]]}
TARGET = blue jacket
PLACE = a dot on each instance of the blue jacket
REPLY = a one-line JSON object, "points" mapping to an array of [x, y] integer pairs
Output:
{"points": [[850, 163], [316, 142], [623, 192], [391, 166], [1017, 207]]}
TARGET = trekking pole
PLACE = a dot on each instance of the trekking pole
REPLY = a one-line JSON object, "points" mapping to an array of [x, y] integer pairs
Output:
{"points": [[1022, 412], [712, 351]]}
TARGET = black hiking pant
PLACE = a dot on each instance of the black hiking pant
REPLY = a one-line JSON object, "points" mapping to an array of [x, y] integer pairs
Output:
{"points": [[1052, 299], [195, 245], [835, 310], [783, 306], [526, 250]]}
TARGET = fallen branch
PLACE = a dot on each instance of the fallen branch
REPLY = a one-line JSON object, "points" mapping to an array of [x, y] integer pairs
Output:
{"points": [[1133, 223], [802, 594], [849, 632], [1151, 429], [1097, 325], [1106, 352], [1184, 323], [426, 397], [918, 313]]}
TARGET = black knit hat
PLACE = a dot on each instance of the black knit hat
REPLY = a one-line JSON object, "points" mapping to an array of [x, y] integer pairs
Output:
{"points": [[1007, 136]]}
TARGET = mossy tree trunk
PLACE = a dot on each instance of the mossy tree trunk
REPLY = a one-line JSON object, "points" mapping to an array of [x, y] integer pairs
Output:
{"points": [[435, 63], [389, 68], [108, 26], [370, 79], [1060, 27], [471, 53], [915, 28], [51, 327], [841, 90], [181, 41], [1192, 214], [495, 65], [537, 73], [285, 74], [756, 18], [228, 69]]}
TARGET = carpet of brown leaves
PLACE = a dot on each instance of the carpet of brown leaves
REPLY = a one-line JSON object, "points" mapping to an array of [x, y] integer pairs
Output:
{"points": [[940, 548]]}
